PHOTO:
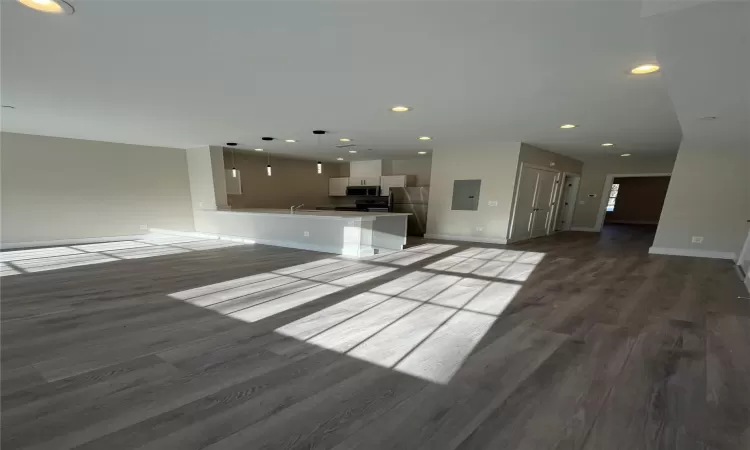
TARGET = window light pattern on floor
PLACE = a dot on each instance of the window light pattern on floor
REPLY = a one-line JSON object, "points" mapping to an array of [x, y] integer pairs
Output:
{"points": [[424, 324], [52, 258]]}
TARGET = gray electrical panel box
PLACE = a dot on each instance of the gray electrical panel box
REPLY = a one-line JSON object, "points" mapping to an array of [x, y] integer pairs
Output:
{"points": [[466, 195]]}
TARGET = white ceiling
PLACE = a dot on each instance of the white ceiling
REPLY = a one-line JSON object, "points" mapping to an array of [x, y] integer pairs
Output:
{"points": [[183, 74]]}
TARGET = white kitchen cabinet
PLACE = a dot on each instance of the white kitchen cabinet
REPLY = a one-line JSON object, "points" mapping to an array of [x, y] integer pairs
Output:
{"points": [[391, 181], [366, 169], [364, 181], [337, 187]]}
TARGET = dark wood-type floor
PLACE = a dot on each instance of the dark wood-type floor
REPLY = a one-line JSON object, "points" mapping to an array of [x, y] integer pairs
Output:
{"points": [[604, 347]]}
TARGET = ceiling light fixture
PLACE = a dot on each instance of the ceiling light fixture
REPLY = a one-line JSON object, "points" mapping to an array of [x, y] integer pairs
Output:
{"points": [[320, 167], [49, 6], [422, 153], [400, 109], [608, 144], [339, 159], [625, 154], [234, 169], [319, 133], [268, 167], [568, 125], [352, 151], [258, 149], [290, 140], [644, 69], [424, 138], [345, 140]]}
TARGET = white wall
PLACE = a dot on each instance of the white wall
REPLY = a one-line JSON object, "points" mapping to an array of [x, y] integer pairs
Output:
{"points": [[708, 196], [594, 175], [533, 155], [208, 188], [57, 189], [493, 163]]}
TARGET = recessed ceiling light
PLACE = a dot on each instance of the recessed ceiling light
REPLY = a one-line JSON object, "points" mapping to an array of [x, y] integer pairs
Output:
{"points": [[422, 153], [625, 154], [290, 140], [345, 140], [258, 149], [568, 125], [352, 151], [424, 138], [607, 144], [49, 6], [645, 68], [339, 159], [400, 109]]}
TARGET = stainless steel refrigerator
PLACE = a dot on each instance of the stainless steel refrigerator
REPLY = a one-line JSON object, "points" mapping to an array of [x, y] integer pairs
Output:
{"points": [[412, 200]]}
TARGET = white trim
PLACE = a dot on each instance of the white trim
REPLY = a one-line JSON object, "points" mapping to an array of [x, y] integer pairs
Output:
{"points": [[63, 242], [560, 200], [447, 237], [589, 229], [747, 283], [691, 252], [608, 187]]}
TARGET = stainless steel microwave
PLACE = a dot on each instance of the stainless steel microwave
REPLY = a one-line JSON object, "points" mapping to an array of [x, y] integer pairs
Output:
{"points": [[369, 191]]}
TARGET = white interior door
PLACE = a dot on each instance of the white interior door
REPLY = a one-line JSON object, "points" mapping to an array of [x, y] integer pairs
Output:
{"points": [[545, 189], [524, 211]]}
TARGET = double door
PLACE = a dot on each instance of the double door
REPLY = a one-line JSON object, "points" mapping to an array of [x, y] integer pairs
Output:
{"points": [[535, 203]]}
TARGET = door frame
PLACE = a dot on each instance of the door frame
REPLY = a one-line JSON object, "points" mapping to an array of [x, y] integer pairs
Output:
{"points": [[559, 200], [512, 222], [608, 187]]}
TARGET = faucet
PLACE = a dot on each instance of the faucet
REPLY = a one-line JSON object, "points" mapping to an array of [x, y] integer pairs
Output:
{"points": [[295, 208]]}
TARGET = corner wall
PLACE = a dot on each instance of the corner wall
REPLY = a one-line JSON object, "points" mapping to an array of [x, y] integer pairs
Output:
{"points": [[63, 189], [493, 163]]}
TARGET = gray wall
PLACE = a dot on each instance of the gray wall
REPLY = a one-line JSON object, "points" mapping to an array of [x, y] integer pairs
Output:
{"points": [[419, 167], [493, 163], [294, 181], [708, 196], [57, 189], [595, 172]]}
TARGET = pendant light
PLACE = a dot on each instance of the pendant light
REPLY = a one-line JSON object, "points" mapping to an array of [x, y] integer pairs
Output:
{"points": [[268, 167], [234, 168], [319, 133]]}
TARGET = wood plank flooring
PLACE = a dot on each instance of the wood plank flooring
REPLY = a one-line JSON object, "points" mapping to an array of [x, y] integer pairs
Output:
{"points": [[574, 341]]}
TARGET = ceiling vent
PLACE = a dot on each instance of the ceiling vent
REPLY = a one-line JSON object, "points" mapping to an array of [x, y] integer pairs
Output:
{"points": [[346, 145]]}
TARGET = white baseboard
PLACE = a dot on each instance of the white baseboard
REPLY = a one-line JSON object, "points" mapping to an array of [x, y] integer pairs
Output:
{"points": [[64, 242], [588, 229], [446, 237], [692, 252]]}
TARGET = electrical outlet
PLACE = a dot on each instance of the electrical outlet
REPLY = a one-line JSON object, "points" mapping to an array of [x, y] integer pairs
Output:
{"points": [[492, 203], [697, 239], [144, 227], [307, 234], [200, 204], [582, 202], [480, 228]]}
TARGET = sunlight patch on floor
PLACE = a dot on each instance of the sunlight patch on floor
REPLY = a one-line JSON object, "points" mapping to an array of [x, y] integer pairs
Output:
{"points": [[424, 323], [52, 258]]}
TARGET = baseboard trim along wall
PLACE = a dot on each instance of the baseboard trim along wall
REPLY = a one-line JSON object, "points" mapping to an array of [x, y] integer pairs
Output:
{"points": [[64, 242], [446, 237], [587, 229], [692, 252]]}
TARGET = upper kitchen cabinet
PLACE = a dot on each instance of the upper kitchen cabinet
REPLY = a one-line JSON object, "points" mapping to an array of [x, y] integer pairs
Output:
{"points": [[393, 181], [337, 187], [365, 173]]}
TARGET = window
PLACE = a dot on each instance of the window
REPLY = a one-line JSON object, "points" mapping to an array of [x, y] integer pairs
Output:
{"points": [[612, 197]]}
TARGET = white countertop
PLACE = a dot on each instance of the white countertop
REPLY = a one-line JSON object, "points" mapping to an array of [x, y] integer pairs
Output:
{"points": [[307, 213]]}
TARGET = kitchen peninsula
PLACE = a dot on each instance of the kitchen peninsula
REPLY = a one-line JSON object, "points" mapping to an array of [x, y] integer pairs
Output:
{"points": [[349, 233]]}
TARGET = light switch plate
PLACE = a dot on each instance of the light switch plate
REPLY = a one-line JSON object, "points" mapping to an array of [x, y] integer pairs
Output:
{"points": [[492, 203], [480, 228], [307, 234], [144, 227], [697, 239]]}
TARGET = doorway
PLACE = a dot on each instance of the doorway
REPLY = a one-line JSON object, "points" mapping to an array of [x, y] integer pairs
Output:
{"points": [[568, 198], [534, 202], [634, 200]]}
